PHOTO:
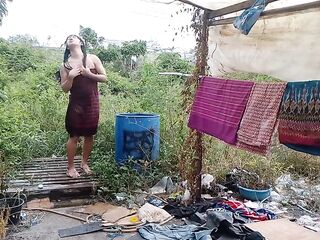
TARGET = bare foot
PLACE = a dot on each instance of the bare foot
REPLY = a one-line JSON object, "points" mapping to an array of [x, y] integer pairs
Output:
{"points": [[73, 173], [86, 168]]}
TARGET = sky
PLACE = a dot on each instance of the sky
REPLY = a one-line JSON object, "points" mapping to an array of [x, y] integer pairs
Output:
{"points": [[51, 21]]}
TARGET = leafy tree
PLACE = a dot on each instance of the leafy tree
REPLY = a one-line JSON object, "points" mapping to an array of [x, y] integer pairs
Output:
{"points": [[173, 62], [133, 48], [110, 54], [91, 37], [3, 9]]}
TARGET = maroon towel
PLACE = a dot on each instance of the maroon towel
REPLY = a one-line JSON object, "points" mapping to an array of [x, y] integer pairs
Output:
{"points": [[218, 107], [83, 110]]}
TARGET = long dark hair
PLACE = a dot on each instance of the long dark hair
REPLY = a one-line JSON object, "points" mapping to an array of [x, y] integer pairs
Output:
{"points": [[66, 54]]}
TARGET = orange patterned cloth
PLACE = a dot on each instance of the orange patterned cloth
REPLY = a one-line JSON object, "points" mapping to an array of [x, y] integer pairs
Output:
{"points": [[260, 116]]}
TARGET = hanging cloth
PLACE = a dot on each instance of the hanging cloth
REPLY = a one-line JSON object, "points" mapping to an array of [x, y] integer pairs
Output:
{"points": [[305, 149], [248, 18], [259, 119], [299, 118], [218, 107]]}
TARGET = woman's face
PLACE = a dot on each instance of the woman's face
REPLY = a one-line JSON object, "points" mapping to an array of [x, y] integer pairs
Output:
{"points": [[73, 40]]}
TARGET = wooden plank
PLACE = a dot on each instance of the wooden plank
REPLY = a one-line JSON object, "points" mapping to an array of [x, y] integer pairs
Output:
{"points": [[42, 174], [49, 167], [271, 13], [52, 159], [37, 170], [51, 172], [44, 164], [49, 181], [283, 229], [47, 177], [34, 191], [50, 163], [234, 8]]}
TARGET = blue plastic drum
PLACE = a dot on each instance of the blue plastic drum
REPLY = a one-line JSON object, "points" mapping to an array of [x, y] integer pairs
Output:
{"points": [[137, 136]]}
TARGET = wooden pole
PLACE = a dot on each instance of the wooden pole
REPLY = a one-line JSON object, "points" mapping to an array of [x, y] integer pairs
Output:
{"points": [[198, 158]]}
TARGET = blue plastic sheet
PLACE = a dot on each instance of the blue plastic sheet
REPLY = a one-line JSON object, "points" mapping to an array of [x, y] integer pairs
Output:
{"points": [[249, 17]]}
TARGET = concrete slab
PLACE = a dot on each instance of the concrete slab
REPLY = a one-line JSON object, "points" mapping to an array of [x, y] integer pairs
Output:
{"points": [[48, 228]]}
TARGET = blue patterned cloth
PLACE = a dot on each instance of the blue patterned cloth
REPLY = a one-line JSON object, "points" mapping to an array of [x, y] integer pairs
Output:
{"points": [[249, 17]]}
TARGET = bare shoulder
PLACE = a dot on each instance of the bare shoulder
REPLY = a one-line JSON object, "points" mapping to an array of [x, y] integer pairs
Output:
{"points": [[93, 57], [97, 64]]}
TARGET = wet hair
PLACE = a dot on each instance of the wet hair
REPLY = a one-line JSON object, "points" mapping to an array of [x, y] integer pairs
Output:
{"points": [[66, 54]]}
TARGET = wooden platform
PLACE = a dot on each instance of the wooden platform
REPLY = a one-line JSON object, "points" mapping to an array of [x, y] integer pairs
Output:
{"points": [[51, 173]]}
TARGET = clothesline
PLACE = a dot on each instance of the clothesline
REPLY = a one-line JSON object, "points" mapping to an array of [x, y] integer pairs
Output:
{"points": [[245, 113]]}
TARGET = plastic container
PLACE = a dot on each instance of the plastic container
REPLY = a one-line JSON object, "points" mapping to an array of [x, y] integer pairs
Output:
{"points": [[253, 194], [14, 206], [137, 136]]}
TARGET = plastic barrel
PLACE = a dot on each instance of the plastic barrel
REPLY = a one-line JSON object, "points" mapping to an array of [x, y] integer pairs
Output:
{"points": [[137, 136]]}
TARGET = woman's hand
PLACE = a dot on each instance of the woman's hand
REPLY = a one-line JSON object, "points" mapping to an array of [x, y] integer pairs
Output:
{"points": [[86, 72], [74, 72]]}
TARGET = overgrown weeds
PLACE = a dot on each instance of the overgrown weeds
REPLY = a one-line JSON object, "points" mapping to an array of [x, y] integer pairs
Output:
{"points": [[32, 112]]}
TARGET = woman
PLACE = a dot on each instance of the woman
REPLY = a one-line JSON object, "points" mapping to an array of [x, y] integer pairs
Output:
{"points": [[80, 73]]}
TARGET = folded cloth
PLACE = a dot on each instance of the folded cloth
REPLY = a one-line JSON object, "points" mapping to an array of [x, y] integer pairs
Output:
{"points": [[260, 116], [299, 118], [218, 107]]}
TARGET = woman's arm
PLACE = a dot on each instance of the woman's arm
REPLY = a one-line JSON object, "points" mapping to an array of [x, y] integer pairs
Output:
{"points": [[101, 72], [66, 83]]}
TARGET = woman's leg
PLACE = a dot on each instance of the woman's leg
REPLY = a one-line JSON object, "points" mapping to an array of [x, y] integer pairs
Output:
{"points": [[87, 148], [71, 152]]}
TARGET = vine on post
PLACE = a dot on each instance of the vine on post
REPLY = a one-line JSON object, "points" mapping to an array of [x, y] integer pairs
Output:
{"points": [[190, 159]]}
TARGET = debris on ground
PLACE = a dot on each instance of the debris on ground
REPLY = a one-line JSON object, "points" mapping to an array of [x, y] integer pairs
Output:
{"points": [[165, 185], [80, 229], [98, 208], [221, 214], [116, 213], [152, 214]]}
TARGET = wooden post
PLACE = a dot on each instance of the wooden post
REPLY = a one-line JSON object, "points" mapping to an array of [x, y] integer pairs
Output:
{"points": [[191, 153], [198, 165], [202, 64]]}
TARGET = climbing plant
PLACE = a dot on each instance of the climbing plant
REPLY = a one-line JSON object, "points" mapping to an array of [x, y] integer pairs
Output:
{"points": [[190, 159]]}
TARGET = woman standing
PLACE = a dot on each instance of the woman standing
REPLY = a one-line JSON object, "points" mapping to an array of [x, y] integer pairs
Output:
{"points": [[80, 74]]}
